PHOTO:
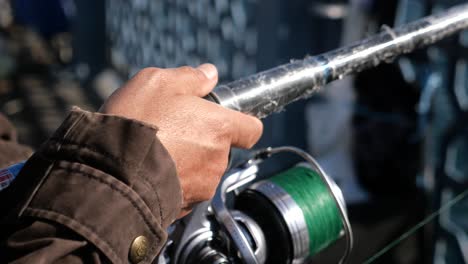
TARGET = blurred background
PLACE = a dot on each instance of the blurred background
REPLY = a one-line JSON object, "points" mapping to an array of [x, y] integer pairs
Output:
{"points": [[395, 138]]}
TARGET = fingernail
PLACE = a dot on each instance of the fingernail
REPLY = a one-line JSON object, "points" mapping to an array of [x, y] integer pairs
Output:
{"points": [[209, 70]]}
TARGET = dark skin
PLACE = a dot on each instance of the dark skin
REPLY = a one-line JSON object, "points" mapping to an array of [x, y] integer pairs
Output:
{"points": [[198, 134]]}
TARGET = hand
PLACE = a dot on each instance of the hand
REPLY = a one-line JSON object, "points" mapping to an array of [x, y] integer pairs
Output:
{"points": [[198, 134]]}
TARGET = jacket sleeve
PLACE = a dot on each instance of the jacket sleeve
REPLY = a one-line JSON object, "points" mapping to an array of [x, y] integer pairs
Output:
{"points": [[95, 186]]}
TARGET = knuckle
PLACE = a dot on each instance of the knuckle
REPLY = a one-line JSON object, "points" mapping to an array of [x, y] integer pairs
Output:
{"points": [[187, 70], [193, 73], [225, 126], [224, 134], [219, 126], [150, 72], [155, 79]]}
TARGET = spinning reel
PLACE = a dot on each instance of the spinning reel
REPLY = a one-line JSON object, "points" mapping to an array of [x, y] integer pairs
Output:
{"points": [[282, 219]]}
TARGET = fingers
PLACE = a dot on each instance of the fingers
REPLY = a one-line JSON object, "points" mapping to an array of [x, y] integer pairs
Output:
{"points": [[198, 81], [183, 80], [243, 130], [246, 130]]}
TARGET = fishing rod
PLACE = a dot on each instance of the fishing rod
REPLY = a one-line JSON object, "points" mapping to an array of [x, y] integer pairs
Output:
{"points": [[279, 219], [270, 91]]}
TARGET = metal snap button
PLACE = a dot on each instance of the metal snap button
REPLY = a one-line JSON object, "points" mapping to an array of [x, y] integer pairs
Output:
{"points": [[139, 249]]}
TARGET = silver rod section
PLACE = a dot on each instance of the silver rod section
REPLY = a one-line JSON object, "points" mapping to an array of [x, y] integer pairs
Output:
{"points": [[266, 92]]}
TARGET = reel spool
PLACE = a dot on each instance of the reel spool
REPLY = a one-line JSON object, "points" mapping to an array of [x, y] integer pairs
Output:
{"points": [[298, 214], [300, 211]]}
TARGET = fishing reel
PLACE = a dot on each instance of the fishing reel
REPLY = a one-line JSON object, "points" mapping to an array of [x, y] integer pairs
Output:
{"points": [[282, 219]]}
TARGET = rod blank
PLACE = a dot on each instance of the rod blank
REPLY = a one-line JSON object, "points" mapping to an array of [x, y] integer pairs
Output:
{"points": [[267, 92]]}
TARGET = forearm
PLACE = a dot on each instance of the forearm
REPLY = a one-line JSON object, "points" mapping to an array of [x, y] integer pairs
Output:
{"points": [[89, 191]]}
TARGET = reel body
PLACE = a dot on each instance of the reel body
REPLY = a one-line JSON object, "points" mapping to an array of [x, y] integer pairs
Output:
{"points": [[282, 219]]}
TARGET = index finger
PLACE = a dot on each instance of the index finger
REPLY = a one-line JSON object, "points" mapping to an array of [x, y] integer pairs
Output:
{"points": [[198, 81], [246, 130]]}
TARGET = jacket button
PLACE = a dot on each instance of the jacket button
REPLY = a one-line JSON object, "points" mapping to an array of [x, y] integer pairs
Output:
{"points": [[138, 249]]}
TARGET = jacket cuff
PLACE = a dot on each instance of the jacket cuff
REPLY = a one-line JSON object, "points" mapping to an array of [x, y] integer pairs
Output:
{"points": [[110, 180]]}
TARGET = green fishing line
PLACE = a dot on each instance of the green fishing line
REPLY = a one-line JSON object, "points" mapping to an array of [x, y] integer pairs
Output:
{"points": [[320, 211], [415, 228]]}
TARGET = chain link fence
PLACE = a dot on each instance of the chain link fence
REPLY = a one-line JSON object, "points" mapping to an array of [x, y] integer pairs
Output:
{"points": [[167, 33]]}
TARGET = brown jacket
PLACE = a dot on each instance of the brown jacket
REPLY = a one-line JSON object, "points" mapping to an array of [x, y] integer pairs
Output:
{"points": [[97, 184]]}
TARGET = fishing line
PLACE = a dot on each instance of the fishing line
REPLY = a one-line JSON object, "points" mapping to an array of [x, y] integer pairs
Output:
{"points": [[317, 204], [411, 231]]}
